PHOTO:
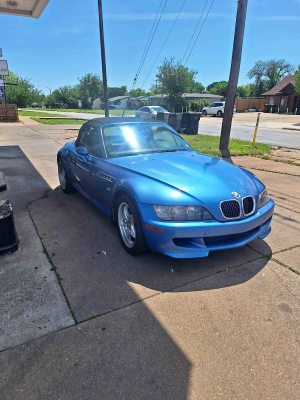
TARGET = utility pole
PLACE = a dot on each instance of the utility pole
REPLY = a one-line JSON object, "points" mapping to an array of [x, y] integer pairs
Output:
{"points": [[234, 76], [50, 97], [104, 77]]}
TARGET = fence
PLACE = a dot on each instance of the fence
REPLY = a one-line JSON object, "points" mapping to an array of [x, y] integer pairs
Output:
{"points": [[9, 115], [245, 104]]}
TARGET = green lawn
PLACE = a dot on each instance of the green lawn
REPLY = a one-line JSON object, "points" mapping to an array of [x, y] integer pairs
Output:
{"points": [[81, 110], [37, 114], [54, 121], [210, 145]]}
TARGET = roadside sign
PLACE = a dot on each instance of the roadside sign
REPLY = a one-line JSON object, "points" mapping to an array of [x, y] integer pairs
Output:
{"points": [[2, 82], [2, 95], [4, 68], [1, 53]]}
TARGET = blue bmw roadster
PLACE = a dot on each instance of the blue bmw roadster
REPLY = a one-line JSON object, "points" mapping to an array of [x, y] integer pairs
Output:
{"points": [[160, 193]]}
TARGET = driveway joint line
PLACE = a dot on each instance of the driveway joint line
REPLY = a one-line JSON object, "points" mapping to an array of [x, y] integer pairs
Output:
{"points": [[273, 172], [78, 323], [53, 267], [285, 266]]}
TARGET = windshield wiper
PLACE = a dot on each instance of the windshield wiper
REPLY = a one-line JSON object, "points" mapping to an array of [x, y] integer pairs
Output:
{"points": [[169, 151]]}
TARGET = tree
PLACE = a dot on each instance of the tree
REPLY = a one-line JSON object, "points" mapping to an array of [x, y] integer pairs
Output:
{"points": [[116, 91], [196, 87], [67, 95], [174, 79], [297, 80], [24, 94], [219, 88], [137, 92], [90, 87], [267, 74], [245, 90]]}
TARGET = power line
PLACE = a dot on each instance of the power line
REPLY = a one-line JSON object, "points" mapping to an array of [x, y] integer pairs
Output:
{"points": [[143, 60], [138, 70], [195, 30], [199, 31], [164, 43]]}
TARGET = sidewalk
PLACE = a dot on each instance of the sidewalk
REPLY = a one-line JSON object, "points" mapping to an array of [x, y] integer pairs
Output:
{"points": [[151, 327]]}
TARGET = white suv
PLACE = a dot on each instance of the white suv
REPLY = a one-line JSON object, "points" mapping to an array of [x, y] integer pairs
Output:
{"points": [[215, 109]]}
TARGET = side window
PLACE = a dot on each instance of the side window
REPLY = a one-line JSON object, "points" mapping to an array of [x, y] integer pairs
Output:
{"points": [[143, 109], [92, 143], [82, 134], [213, 105], [147, 109]]}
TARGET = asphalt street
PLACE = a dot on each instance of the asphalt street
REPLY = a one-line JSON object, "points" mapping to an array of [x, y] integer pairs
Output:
{"points": [[240, 130]]}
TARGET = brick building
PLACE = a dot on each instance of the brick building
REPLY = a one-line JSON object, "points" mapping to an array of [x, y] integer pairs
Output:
{"points": [[284, 96]]}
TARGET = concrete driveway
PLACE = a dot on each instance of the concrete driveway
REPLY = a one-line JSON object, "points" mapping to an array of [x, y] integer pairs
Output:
{"points": [[80, 318]]}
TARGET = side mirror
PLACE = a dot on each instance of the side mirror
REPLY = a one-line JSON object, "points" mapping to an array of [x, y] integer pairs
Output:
{"points": [[82, 151]]}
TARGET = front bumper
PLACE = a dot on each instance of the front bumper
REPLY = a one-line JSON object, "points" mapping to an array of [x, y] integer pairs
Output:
{"points": [[197, 239]]}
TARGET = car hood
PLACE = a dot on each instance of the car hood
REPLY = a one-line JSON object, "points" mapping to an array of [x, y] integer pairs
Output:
{"points": [[208, 179]]}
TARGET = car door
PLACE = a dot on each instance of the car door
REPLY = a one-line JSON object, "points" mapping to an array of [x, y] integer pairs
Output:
{"points": [[211, 108], [140, 112], [79, 164], [101, 181]]}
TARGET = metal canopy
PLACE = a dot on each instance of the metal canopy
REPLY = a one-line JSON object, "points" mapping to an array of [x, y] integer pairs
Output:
{"points": [[23, 8]]}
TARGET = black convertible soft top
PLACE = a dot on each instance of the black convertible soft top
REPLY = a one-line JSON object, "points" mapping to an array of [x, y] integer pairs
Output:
{"points": [[95, 122]]}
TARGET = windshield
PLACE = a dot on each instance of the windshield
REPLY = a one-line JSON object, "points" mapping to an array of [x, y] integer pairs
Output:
{"points": [[128, 139], [158, 109]]}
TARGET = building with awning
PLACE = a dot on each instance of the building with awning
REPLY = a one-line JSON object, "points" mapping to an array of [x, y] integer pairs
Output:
{"points": [[23, 8]]}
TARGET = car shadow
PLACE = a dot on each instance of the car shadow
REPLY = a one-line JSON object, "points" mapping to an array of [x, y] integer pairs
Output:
{"points": [[86, 250]]}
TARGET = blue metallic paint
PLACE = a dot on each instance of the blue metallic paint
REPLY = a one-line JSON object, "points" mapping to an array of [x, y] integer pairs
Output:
{"points": [[179, 178]]}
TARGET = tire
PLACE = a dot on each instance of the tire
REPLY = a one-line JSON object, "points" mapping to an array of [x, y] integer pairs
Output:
{"points": [[204, 113], [129, 226], [219, 113], [65, 183]]}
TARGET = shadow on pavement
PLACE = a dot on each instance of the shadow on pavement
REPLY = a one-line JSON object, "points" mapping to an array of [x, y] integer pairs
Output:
{"points": [[97, 274]]}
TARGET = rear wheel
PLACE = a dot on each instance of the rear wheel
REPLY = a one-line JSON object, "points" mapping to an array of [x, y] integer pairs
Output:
{"points": [[219, 113], [64, 180], [204, 113], [129, 227]]}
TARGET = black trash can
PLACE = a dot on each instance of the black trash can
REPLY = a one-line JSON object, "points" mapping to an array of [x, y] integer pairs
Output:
{"points": [[172, 120], [194, 124], [267, 108], [8, 235], [185, 121], [160, 116]]}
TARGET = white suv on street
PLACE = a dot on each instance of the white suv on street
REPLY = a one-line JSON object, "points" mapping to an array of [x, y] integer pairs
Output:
{"points": [[215, 109]]}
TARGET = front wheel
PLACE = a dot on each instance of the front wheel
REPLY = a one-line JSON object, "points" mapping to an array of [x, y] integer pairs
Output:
{"points": [[64, 180], [204, 113], [219, 113], [129, 227]]}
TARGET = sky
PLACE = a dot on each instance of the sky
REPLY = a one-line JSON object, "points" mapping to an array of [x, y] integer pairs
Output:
{"points": [[63, 44]]}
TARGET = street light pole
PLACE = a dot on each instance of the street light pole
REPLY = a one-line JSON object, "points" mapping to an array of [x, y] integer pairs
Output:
{"points": [[50, 97], [234, 76], [104, 76]]}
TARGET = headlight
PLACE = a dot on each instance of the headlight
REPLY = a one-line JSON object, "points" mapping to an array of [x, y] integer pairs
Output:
{"points": [[263, 198], [182, 213]]}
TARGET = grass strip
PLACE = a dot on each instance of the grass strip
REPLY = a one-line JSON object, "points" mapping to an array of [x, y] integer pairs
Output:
{"points": [[38, 114], [210, 145], [54, 121]]}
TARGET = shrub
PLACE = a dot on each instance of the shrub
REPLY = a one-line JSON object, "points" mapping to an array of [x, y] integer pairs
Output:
{"points": [[195, 106], [183, 105]]}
